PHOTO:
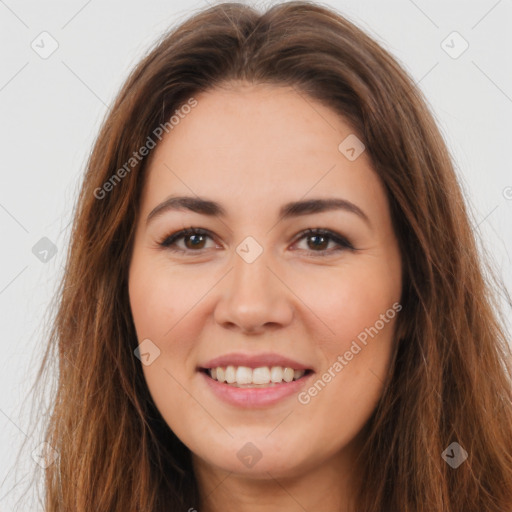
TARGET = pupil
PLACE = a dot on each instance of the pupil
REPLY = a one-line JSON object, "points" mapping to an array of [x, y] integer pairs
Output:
{"points": [[195, 244], [317, 237]]}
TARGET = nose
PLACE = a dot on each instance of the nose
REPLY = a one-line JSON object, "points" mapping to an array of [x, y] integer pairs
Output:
{"points": [[254, 297]]}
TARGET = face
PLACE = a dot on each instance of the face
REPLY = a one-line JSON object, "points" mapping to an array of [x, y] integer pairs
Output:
{"points": [[252, 292]]}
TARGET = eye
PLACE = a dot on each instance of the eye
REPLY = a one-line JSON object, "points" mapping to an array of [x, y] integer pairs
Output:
{"points": [[320, 241], [195, 239]]}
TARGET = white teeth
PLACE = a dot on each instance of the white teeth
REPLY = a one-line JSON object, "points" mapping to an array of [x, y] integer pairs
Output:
{"points": [[243, 376], [276, 374], [288, 374], [230, 375], [261, 375]]}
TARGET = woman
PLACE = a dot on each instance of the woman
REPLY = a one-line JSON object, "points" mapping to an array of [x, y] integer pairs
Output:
{"points": [[273, 297]]}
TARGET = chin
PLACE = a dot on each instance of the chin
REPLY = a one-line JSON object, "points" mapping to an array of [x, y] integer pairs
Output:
{"points": [[258, 463]]}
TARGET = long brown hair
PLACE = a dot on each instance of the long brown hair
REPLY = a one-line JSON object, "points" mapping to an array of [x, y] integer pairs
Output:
{"points": [[450, 377]]}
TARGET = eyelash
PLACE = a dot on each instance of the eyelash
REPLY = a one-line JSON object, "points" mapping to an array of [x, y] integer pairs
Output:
{"points": [[343, 243]]}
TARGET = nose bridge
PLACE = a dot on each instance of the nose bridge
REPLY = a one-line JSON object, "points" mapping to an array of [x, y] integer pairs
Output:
{"points": [[250, 272], [252, 280], [253, 296], [251, 261]]}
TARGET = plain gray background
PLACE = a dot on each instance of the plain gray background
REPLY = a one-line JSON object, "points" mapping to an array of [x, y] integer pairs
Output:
{"points": [[51, 109]]}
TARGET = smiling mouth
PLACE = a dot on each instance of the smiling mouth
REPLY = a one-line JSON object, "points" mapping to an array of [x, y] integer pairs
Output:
{"points": [[262, 377]]}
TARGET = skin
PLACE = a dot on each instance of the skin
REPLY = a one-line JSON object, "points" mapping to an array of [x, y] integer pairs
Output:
{"points": [[253, 148]]}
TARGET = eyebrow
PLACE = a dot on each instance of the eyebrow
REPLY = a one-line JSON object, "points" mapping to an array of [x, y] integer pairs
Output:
{"points": [[288, 210]]}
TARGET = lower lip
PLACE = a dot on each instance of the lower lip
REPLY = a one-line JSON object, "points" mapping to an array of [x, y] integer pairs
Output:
{"points": [[255, 397]]}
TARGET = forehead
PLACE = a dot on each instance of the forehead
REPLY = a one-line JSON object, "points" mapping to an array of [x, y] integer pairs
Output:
{"points": [[256, 143], [261, 125]]}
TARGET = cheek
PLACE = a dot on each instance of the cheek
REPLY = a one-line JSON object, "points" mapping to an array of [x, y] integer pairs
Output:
{"points": [[347, 300], [161, 297], [162, 304], [358, 318]]}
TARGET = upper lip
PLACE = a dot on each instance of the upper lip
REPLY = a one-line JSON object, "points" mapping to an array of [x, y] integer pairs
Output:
{"points": [[254, 361]]}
